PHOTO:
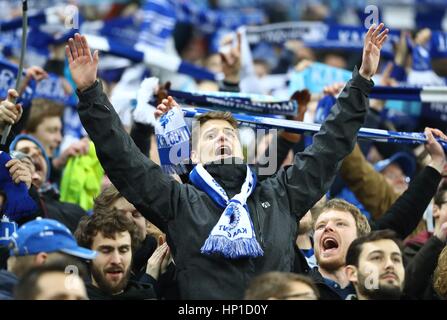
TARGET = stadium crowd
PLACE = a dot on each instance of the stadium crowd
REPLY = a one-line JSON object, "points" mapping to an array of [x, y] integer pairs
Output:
{"points": [[135, 161]]}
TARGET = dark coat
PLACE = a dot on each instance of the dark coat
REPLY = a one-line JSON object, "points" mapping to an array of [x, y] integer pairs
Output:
{"points": [[134, 291], [66, 213], [419, 272], [188, 214]]}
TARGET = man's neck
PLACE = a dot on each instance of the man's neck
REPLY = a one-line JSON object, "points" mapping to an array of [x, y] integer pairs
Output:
{"points": [[303, 242], [95, 284], [360, 296], [338, 276], [437, 226]]}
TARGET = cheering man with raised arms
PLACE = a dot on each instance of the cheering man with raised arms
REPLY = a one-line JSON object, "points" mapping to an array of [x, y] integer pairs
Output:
{"points": [[224, 226]]}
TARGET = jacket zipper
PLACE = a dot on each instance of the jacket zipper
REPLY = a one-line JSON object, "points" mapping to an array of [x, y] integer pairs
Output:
{"points": [[258, 218]]}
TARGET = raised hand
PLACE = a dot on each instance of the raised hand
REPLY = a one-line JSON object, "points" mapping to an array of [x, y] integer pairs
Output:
{"points": [[231, 60], [36, 73], [83, 66], [165, 106], [155, 262], [10, 113], [77, 148], [435, 149], [303, 98], [334, 89], [401, 51], [371, 50], [19, 172]]}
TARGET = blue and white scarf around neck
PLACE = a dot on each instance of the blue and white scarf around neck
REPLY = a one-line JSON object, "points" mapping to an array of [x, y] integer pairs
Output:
{"points": [[233, 236]]}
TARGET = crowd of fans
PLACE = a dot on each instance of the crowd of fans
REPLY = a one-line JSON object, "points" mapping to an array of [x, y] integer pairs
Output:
{"points": [[88, 212]]}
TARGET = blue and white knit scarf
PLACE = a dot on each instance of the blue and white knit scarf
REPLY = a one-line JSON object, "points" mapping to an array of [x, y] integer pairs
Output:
{"points": [[233, 236]]}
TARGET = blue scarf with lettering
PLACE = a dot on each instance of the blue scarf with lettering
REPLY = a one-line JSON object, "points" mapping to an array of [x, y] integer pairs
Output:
{"points": [[173, 136], [236, 102], [318, 35], [233, 236]]}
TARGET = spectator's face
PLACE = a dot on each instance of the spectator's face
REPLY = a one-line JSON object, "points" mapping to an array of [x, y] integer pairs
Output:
{"points": [[49, 133], [111, 267], [261, 69], [299, 291], [334, 232], [31, 149], [61, 286], [380, 273], [396, 178], [440, 212], [129, 210], [214, 63], [336, 61], [217, 140]]}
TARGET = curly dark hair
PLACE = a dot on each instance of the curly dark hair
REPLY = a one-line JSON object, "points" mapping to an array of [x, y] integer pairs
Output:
{"points": [[109, 224]]}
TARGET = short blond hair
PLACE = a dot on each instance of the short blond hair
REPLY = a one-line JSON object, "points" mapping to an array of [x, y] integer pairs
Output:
{"points": [[361, 223]]}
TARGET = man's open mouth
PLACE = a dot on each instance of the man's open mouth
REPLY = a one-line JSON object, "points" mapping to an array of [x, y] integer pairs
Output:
{"points": [[224, 150], [329, 243], [115, 272]]}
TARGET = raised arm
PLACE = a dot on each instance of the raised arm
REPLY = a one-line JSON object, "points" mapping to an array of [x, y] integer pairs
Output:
{"points": [[315, 168], [369, 186], [405, 214], [139, 179]]}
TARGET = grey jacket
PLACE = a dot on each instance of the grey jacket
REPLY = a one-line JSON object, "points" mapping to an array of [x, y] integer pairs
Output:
{"points": [[188, 214]]}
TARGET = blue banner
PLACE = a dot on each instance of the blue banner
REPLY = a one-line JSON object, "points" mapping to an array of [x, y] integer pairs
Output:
{"points": [[52, 88], [302, 127], [158, 22], [211, 21], [315, 77], [8, 76], [438, 44], [317, 35], [236, 102], [125, 30]]}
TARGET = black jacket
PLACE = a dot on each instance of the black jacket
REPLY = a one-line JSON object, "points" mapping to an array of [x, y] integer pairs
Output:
{"points": [[187, 214], [419, 272], [66, 213], [166, 286], [134, 291], [405, 214], [142, 255]]}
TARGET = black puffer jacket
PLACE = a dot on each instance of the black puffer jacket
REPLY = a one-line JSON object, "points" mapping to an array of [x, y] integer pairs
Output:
{"points": [[187, 214]]}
